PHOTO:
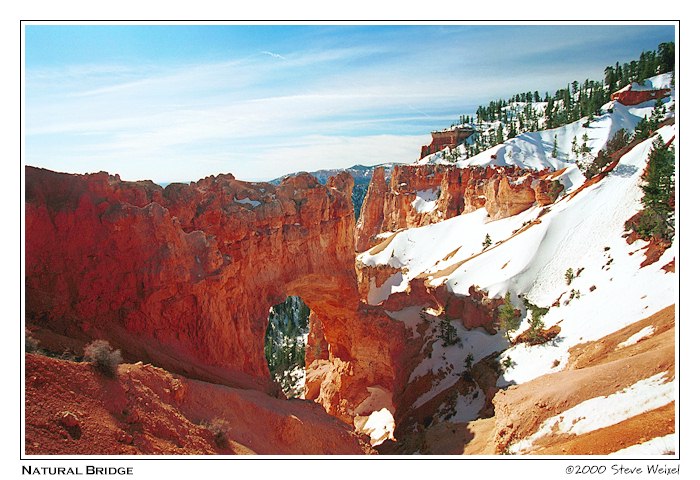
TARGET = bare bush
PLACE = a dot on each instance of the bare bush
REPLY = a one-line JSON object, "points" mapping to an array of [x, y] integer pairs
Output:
{"points": [[100, 354], [31, 344], [220, 428]]}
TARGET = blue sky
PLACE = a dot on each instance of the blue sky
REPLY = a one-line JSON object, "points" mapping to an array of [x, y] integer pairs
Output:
{"points": [[180, 102]]}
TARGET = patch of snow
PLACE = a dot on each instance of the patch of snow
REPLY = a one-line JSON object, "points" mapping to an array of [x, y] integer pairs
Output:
{"points": [[468, 406], [601, 412], [666, 445], [377, 295], [379, 397], [654, 83], [426, 200], [645, 332], [298, 380], [446, 362], [534, 150], [584, 233], [247, 201], [532, 361], [410, 316], [378, 425]]}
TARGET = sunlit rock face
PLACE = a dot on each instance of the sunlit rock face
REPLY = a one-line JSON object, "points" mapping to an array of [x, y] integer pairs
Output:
{"points": [[185, 276], [419, 195]]}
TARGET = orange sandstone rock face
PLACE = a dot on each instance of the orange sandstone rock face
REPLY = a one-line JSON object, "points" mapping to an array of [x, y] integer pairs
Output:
{"points": [[183, 277], [372, 212], [504, 199], [419, 195]]}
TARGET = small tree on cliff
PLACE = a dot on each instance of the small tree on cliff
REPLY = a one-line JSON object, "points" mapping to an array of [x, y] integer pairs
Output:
{"points": [[569, 275], [535, 332], [657, 217], [487, 242], [508, 317], [448, 333]]}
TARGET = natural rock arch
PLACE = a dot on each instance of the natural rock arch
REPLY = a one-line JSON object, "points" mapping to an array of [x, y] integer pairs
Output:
{"points": [[184, 276]]}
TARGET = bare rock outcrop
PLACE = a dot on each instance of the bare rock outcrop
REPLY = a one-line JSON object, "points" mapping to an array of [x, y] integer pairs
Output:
{"points": [[420, 195], [183, 277]]}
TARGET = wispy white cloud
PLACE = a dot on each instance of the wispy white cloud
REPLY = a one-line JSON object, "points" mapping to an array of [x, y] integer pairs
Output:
{"points": [[317, 105], [273, 55]]}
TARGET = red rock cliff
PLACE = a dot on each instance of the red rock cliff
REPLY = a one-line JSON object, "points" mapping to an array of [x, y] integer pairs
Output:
{"points": [[419, 195], [628, 96], [446, 138], [184, 276]]}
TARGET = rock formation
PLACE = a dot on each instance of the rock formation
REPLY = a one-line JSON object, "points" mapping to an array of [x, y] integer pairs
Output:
{"points": [[635, 95], [419, 195], [449, 138], [183, 277]]}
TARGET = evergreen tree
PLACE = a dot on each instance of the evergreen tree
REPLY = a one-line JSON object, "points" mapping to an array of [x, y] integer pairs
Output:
{"points": [[448, 333], [659, 188], [549, 113], [569, 275], [610, 79], [584, 149], [511, 130], [657, 115], [555, 152], [285, 348], [643, 129], [508, 316], [667, 57], [487, 242], [574, 146]]}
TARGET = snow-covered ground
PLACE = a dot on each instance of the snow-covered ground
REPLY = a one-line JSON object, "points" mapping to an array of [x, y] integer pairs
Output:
{"points": [[583, 232], [666, 445], [601, 412], [533, 150]]}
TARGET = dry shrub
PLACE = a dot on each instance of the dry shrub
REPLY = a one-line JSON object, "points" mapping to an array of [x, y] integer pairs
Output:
{"points": [[100, 354], [220, 428]]}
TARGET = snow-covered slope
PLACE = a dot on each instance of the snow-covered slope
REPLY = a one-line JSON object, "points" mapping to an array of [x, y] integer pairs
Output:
{"points": [[534, 150], [529, 256]]}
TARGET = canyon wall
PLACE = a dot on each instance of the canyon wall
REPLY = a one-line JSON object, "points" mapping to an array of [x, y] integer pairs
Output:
{"points": [[419, 195], [184, 276]]}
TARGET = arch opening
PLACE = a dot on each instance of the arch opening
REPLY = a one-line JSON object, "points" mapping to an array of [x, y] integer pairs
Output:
{"points": [[286, 339]]}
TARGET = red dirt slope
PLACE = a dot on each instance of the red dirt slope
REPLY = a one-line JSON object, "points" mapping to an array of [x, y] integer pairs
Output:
{"points": [[71, 409]]}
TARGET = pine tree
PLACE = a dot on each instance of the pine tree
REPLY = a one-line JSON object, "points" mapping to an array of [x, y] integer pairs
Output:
{"points": [[643, 129], [448, 333], [610, 79], [508, 316], [659, 192], [555, 152], [584, 149], [657, 115], [569, 275], [487, 242], [499, 134], [667, 57]]}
